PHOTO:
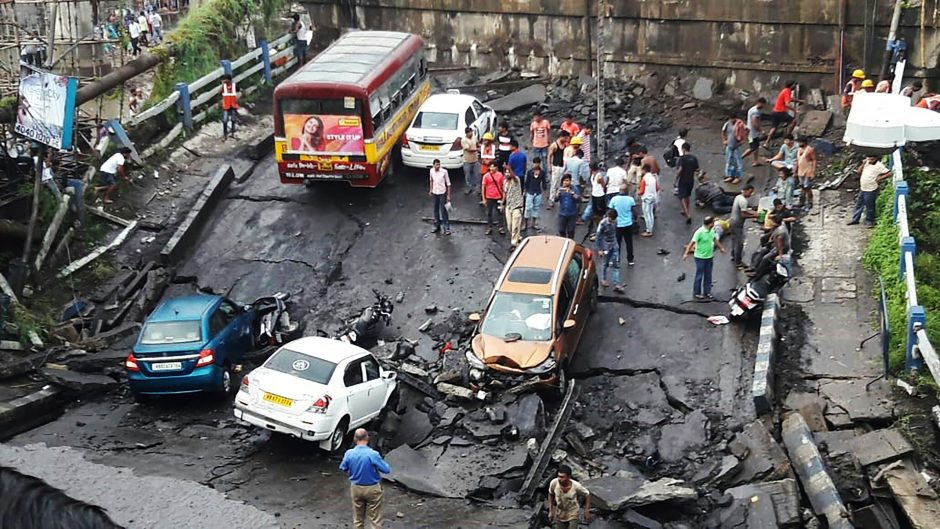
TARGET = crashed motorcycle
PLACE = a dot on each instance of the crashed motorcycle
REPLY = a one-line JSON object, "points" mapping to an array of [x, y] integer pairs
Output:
{"points": [[274, 326], [749, 299], [366, 325]]}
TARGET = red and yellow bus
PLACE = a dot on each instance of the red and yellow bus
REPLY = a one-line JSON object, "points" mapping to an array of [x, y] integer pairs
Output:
{"points": [[341, 115]]}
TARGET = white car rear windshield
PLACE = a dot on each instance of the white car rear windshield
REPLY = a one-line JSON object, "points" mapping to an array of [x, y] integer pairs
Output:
{"points": [[435, 120], [164, 332], [300, 365]]}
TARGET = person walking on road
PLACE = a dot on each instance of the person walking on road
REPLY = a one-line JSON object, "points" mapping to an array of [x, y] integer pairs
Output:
{"points": [[649, 197], [133, 31], [616, 177], [598, 205], [625, 206], [687, 169], [872, 173], [229, 107], [512, 205], [492, 197], [363, 464], [782, 117], [539, 135], [605, 242], [740, 210], [733, 135], [556, 160], [568, 198], [702, 246], [471, 161], [536, 185], [564, 494], [754, 132], [108, 172], [439, 191], [806, 172]]}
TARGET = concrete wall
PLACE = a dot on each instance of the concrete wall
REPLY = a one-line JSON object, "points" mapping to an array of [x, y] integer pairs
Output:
{"points": [[747, 44]]}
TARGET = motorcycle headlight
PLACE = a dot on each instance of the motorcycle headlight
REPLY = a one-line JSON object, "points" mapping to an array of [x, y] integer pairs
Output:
{"points": [[548, 365], [474, 362]]}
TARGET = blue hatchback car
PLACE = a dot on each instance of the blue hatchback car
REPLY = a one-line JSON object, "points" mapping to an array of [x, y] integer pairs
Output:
{"points": [[188, 345]]}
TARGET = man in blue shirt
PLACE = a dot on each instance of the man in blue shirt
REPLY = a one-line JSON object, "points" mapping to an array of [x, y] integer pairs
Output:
{"points": [[363, 465], [625, 205], [518, 161], [568, 199]]}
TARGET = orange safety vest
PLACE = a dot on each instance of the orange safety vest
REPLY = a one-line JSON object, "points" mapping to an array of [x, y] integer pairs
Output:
{"points": [[229, 96], [488, 152]]}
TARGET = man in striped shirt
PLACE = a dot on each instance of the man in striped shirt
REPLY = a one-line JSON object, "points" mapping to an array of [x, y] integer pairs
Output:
{"points": [[586, 139]]}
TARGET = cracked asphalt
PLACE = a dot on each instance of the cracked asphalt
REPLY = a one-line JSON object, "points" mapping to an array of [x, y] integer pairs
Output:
{"points": [[665, 381]]}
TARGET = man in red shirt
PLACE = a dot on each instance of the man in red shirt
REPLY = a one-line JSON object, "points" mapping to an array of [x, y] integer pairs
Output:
{"points": [[493, 197], [781, 115], [569, 125]]}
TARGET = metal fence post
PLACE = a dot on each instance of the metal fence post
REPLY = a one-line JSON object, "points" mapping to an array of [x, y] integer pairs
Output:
{"points": [[916, 319], [266, 59], [185, 106], [226, 67], [900, 188], [907, 245]]}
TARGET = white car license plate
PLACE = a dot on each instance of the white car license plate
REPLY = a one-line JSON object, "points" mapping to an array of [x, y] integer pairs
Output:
{"points": [[166, 366]]}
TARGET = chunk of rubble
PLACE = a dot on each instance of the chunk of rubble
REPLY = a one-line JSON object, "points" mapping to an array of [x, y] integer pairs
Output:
{"points": [[78, 383], [413, 428], [625, 489], [784, 494], [753, 512], [634, 519], [529, 95], [879, 446], [762, 457], [677, 440], [455, 391], [527, 413], [452, 472]]}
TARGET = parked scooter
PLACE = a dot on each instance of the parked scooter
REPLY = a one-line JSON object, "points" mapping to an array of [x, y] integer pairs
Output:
{"points": [[749, 299], [274, 324], [366, 325]]}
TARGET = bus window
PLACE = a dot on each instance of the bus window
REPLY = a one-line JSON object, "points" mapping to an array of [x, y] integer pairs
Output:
{"points": [[423, 67], [376, 106]]}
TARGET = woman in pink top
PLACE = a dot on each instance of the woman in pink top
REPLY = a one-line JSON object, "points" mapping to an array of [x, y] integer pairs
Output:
{"points": [[493, 197]]}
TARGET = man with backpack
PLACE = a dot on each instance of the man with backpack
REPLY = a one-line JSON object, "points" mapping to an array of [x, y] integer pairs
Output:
{"points": [[674, 151], [733, 135]]}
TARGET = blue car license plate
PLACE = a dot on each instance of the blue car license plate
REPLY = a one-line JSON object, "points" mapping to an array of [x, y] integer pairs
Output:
{"points": [[166, 366]]}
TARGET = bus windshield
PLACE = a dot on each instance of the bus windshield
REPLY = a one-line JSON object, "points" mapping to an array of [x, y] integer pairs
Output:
{"points": [[323, 126]]}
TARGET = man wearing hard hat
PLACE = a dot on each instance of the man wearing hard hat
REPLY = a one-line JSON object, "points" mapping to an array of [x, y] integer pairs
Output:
{"points": [[854, 85], [868, 85], [488, 150]]}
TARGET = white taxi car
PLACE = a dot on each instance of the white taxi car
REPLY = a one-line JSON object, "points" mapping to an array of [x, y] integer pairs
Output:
{"points": [[315, 389], [439, 126]]}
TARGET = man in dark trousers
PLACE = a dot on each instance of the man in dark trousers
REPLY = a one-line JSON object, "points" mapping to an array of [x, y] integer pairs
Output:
{"points": [[687, 168], [363, 465]]}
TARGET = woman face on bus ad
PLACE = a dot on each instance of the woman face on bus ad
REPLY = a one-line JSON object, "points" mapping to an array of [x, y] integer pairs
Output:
{"points": [[311, 136]]}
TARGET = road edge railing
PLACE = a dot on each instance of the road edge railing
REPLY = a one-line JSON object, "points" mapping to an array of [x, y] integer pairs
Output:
{"points": [[188, 98], [919, 350]]}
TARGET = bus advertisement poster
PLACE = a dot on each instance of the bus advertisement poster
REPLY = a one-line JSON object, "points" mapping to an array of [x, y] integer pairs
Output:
{"points": [[324, 134], [46, 109]]}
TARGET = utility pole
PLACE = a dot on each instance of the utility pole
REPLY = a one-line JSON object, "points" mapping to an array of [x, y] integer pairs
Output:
{"points": [[602, 13], [892, 39]]}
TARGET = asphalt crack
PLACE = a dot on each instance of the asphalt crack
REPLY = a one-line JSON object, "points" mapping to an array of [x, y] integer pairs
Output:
{"points": [[267, 198], [642, 304], [280, 261]]}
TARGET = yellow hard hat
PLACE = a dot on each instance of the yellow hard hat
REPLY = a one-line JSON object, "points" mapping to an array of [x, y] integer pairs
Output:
{"points": [[858, 74], [577, 140], [487, 136], [868, 84]]}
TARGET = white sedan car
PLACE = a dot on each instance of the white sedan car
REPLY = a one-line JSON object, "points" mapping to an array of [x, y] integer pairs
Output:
{"points": [[439, 126], [315, 389]]}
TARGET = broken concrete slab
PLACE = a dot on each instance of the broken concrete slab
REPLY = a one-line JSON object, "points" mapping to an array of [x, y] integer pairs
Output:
{"points": [[920, 503], [809, 466], [636, 520], [797, 399], [530, 95], [879, 446], [814, 122], [414, 469], [784, 494], [640, 396], [614, 493], [862, 404], [78, 383], [677, 390], [677, 440], [415, 426], [813, 415], [762, 457], [527, 414], [703, 89]]}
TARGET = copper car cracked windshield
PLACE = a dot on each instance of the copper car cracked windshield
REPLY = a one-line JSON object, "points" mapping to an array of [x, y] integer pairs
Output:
{"points": [[519, 317]]}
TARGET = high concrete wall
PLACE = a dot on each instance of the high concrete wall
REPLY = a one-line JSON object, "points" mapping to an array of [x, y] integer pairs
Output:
{"points": [[747, 44]]}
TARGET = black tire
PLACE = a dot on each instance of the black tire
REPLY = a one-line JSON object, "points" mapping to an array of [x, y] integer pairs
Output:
{"points": [[227, 387], [338, 436], [562, 381]]}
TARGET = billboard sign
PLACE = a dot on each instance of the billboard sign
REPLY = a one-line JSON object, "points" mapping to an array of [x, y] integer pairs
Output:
{"points": [[46, 109], [324, 134]]}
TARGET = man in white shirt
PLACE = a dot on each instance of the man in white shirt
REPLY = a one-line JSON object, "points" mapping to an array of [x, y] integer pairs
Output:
{"points": [[439, 190], [872, 173], [133, 29], [156, 21], [616, 176], [108, 172]]}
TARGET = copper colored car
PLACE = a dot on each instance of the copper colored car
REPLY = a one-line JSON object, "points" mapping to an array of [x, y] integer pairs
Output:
{"points": [[536, 314]]}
